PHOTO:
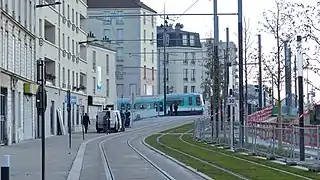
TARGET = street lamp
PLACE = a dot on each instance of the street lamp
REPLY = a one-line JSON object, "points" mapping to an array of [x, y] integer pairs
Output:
{"points": [[45, 5], [41, 97]]}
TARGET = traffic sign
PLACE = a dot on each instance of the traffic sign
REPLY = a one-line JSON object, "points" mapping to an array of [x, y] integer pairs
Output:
{"points": [[73, 99], [231, 101]]}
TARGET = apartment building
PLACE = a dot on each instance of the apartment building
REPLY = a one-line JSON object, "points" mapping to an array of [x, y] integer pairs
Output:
{"points": [[62, 46], [101, 77], [184, 61], [128, 25], [17, 71]]}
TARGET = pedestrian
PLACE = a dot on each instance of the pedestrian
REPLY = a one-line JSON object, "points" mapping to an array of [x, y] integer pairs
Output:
{"points": [[171, 109], [85, 122], [176, 109], [106, 122], [128, 114]]}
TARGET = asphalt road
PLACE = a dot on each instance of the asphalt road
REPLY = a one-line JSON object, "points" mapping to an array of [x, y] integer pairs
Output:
{"points": [[125, 163]]}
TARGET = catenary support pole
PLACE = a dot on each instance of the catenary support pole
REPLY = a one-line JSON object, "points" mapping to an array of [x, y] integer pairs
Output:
{"points": [[240, 46], [260, 71], [164, 62], [69, 115], [5, 168], [216, 66], [301, 104], [226, 81]]}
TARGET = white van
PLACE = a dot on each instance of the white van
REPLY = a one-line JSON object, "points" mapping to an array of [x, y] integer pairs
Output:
{"points": [[115, 120]]}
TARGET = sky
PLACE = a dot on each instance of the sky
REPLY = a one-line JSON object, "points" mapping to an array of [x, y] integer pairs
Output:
{"points": [[252, 11]]}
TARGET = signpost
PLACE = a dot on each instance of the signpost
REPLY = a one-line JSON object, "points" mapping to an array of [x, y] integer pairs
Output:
{"points": [[231, 101], [69, 115]]}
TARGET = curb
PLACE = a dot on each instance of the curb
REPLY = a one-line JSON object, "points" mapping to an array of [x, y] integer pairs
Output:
{"points": [[176, 161]]}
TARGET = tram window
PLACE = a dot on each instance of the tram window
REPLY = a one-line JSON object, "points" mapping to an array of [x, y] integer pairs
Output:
{"points": [[190, 100], [198, 101]]}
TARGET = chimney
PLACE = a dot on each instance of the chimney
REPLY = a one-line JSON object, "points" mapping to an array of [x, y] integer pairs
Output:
{"points": [[178, 27]]}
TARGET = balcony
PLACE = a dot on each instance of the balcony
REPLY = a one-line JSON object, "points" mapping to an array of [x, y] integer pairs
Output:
{"points": [[83, 83], [50, 72], [50, 50], [49, 32], [83, 52], [82, 22]]}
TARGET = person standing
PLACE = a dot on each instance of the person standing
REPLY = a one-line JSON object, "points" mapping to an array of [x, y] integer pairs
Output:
{"points": [[85, 122], [106, 122], [176, 109]]}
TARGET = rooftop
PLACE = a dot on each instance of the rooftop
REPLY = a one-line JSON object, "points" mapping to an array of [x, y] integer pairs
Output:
{"points": [[119, 4]]}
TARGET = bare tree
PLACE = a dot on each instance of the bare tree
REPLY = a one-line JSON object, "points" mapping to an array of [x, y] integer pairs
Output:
{"points": [[277, 22]]}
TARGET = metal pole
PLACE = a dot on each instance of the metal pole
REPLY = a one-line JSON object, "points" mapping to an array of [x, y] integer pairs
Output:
{"points": [[295, 83], [286, 72], [43, 127], [300, 84], [69, 115], [216, 65], [226, 81], [82, 109], [260, 72], [164, 63], [240, 41]]}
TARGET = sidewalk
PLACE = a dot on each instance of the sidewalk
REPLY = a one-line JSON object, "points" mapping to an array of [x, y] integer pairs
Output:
{"points": [[25, 160]]}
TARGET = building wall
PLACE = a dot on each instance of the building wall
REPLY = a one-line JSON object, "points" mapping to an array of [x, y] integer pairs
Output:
{"points": [[18, 67], [136, 52], [61, 29], [108, 90], [177, 63]]}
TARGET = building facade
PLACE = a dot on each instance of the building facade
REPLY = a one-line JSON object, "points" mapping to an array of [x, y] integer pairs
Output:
{"points": [[61, 31], [134, 37], [184, 62], [101, 77], [17, 72]]}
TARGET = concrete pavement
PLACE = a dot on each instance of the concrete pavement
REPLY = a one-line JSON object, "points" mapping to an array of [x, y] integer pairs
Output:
{"points": [[126, 164], [26, 157]]}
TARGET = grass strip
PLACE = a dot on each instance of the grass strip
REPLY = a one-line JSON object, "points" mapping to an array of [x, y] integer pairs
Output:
{"points": [[181, 129], [309, 174], [201, 167], [246, 169]]}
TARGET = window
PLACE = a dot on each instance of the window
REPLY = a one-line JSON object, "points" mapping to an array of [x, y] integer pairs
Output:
{"points": [[73, 80], [185, 60], [185, 74], [107, 88], [191, 40], [144, 18], [144, 54], [26, 58], [119, 71], [144, 36], [76, 18], [152, 73], [193, 59], [107, 64], [30, 15], [59, 75], [72, 15], [120, 34], [193, 74], [63, 41], [119, 53], [40, 28], [13, 54], [63, 8], [152, 21], [94, 61], [68, 78], [152, 56], [144, 72], [94, 85], [145, 89], [73, 47], [106, 33], [152, 38], [63, 78], [193, 89], [77, 80], [167, 74], [68, 44], [185, 89], [107, 17], [119, 19], [184, 40], [68, 11]]}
